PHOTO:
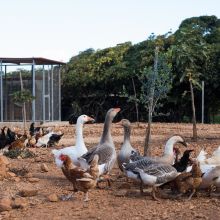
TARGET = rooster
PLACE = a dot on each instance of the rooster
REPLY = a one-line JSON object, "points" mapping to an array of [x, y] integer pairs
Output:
{"points": [[82, 180]]}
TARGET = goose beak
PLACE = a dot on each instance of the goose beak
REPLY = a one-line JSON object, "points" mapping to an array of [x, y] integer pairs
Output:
{"points": [[184, 143], [90, 119], [117, 110]]}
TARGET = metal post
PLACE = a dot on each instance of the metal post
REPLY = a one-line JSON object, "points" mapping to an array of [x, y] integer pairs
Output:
{"points": [[203, 101], [33, 91], [52, 113], [1, 91], [6, 97], [48, 84], [59, 84], [43, 94]]}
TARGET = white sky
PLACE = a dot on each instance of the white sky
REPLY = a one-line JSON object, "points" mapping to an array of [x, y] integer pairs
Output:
{"points": [[59, 29]]}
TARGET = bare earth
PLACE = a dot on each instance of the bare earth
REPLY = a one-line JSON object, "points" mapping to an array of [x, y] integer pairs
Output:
{"points": [[122, 200]]}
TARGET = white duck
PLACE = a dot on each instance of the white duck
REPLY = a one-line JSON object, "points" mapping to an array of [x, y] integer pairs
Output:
{"points": [[105, 149], [74, 151]]}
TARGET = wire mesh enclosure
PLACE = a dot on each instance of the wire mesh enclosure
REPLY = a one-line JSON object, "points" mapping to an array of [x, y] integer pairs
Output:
{"points": [[39, 76]]}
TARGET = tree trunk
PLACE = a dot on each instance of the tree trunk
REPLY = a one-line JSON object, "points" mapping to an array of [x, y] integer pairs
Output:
{"points": [[136, 104], [147, 146], [193, 111], [23, 106]]}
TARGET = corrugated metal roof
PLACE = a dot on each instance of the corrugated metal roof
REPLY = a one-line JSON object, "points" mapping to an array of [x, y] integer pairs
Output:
{"points": [[37, 61]]}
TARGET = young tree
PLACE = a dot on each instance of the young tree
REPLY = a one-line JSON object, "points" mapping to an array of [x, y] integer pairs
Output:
{"points": [[23, 96], [189, 54], [156, 83]]}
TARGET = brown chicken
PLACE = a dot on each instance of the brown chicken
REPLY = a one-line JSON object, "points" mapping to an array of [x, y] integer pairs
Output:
{"points": [[188, 181], [19, 143], [82, 180]]}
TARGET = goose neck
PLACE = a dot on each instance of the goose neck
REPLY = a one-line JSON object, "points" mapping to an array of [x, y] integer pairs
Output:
{"points": [[127, 134], [106, 135], [79, 134], [169, 147]]}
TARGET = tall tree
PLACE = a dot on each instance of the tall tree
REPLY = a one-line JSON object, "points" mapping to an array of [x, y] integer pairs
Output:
{"points": [[189, 54]]}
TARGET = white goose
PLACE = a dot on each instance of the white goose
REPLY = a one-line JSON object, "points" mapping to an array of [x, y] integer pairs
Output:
{"points": [[74, 151], [105, 149], [169, 153]]}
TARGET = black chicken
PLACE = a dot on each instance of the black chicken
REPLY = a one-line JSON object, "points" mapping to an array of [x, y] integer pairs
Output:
{"points": [[54, 139], [11, 136], [182, 164], [3, 138], [33, 130]]}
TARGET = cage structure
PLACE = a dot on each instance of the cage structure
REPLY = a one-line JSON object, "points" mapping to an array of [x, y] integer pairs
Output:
{"points": [[42, 77]]}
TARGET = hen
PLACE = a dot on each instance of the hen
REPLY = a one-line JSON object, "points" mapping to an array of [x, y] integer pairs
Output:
{"points": [[19, 143], [82, 180], [188, 181], [182, 164]]}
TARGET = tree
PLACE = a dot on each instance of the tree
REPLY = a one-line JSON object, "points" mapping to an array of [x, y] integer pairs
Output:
{"points": [[23, 96], [156, 83], [190, 53]]}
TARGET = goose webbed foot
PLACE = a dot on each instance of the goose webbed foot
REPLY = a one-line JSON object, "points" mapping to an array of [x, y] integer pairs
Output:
{"points": [[141, 188], [154, 189]]}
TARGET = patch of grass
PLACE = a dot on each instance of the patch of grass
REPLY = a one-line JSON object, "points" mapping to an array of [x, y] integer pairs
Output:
{"points": [[15, 153]]}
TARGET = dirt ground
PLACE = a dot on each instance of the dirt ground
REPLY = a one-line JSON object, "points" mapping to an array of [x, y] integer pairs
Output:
{"points": [[122, 200]]}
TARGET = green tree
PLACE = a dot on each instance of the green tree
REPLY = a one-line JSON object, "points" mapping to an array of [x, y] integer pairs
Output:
{"points": [[156, 83], [190, 54]]}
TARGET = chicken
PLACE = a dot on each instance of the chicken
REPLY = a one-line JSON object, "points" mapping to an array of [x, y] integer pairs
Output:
{"points": [[44, 140], [214, 159], [3, 138], [19, 143], [54, 139], [82, 180], [34, 130], [182, 164], [188, 181]]}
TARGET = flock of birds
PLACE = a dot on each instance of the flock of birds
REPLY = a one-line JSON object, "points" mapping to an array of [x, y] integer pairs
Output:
{"points": [[38, 136], [86, 168]]}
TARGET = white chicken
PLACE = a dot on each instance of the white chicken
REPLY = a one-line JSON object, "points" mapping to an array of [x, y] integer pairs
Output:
{"points": [[74, 151], [214, 159], [210, 167], [43, 141]]}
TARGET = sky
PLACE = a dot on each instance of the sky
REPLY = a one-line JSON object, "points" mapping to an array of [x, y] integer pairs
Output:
{"points": [[60, 29]]}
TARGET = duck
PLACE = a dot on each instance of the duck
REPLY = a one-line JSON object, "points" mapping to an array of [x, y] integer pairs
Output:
{"points": [[153, 174], [126, 148], [169, 151], [79, 149], [105, 148]]}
